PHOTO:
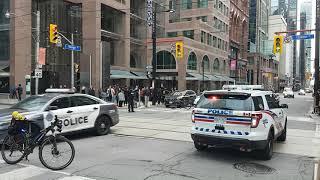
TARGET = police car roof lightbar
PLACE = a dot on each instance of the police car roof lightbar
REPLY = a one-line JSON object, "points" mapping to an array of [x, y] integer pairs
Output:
{"points": [[65, 91], [243, 87]]}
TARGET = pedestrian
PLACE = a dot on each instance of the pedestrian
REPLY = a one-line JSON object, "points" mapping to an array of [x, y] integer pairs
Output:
{"points": [[131, 95], [13, 93], [113, 95], [83, 90], [126, 95], [20, 91], [146, 96], [91, 91], [121, 98], [142, 91]]}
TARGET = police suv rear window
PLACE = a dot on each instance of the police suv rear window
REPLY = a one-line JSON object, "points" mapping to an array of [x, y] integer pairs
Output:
{"points": [[226, 101]]}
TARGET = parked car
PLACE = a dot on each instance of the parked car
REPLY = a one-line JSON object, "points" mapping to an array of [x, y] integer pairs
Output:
{"points": [[178, 98], [288, 93], [308, 90], [302, 92], [77, 112]]}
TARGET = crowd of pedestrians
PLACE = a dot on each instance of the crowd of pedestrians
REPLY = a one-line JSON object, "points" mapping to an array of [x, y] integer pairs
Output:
{"points": [[128, 96]]}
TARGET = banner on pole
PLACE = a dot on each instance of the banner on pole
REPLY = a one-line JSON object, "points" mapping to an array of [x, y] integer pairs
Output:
{"points": [[42, 56]]}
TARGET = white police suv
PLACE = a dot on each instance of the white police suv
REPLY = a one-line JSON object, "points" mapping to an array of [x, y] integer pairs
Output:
{"points": [[76, 112], [245, 120]]}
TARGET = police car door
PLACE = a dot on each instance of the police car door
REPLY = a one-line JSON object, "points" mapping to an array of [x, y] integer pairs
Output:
{"points": [[61, 106], [275, 112], [86, 111]]}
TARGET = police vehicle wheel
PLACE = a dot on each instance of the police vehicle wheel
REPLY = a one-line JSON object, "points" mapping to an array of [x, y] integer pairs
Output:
{"points": [[102, 125], [283, 135], [199, 146], [267, 152]]}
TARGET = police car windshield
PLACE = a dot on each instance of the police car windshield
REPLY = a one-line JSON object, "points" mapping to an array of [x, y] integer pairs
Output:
{"points": [[33, 103], [226, 102]]}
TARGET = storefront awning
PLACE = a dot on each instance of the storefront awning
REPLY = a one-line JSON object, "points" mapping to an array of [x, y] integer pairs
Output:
{"points": [[213, 77], [196, 77], [225, 78], [121, 74], [141, 75]]}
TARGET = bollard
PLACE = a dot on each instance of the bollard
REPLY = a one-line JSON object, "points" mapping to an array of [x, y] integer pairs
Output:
{"points": [[316, 171]]}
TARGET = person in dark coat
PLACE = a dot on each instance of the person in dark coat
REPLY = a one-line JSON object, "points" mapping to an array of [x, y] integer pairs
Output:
{"points": [[20, 91], [131, 95]]}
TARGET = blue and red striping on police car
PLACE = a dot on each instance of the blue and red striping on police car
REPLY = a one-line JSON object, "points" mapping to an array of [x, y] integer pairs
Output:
{"points": [[228, 120]]}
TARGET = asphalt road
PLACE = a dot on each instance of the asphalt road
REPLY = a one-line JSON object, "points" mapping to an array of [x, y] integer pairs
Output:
{"points": [[123, 157]]}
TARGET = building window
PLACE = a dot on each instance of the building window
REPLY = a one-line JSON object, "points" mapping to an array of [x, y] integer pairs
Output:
{"points": [[209, 39], [4, 45], [186, 4], [203, 18], [165, 60], [172, 34], [216, 64], [133, 63], [206, 63], [214, 41], [189, 34], [219, 43], [192, 61], [185, 19], [203, 36], [202, 3]]}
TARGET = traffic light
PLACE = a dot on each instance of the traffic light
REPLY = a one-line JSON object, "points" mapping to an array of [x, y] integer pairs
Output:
{"points": [[277, 44], [179, 49], [53, 33]]}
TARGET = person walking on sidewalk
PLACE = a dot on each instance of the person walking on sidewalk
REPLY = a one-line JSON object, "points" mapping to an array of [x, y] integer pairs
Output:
{"points": [[20, 91], [121, 98], [131, 95], [146, 96]]}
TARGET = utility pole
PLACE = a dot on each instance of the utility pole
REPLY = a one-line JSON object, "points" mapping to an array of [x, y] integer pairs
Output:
{"points": [[202, 75], [154, 52], [316, 59], [72, 63], [37, 50]]}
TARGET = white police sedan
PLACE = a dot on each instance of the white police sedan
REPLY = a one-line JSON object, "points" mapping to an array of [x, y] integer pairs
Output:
{"points": [[76, 112]]}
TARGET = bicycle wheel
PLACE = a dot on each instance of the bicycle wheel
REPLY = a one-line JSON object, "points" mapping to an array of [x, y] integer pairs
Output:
{"points": [[12, 149], [56, 153]]}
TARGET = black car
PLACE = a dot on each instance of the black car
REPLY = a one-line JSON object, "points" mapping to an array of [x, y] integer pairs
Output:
{"points": [[177, 99]]}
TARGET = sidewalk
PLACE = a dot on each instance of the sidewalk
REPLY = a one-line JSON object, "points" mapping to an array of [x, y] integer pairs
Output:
{"points": [[5, 100]]}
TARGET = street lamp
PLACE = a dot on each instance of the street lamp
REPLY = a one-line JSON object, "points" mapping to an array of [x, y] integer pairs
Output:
{"points": [[154, 49], [37, 39]]}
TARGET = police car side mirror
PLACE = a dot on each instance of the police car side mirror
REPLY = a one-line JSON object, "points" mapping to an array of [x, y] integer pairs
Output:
{"points": [[284, 106], [51, 108]]}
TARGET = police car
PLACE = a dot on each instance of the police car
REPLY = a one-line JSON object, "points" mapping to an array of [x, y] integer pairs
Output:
{"points": [[245, 120], [76, 112]]}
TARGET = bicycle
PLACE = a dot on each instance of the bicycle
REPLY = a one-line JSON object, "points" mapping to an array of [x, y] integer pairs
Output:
{"points": [[23, 144]]}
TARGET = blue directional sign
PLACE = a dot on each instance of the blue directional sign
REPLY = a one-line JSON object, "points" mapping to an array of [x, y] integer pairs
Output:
{"points": [[301, 37], [72, 47]]}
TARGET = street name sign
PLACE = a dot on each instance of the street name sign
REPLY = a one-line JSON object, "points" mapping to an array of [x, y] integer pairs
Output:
{"points": [[303, 36], [72, 47]]}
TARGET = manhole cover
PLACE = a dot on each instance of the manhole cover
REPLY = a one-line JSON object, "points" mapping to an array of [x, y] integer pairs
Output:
{"points": [[254, 168]]}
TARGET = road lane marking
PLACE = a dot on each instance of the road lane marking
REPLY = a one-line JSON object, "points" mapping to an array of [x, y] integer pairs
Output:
{"points": [[300, 118]]}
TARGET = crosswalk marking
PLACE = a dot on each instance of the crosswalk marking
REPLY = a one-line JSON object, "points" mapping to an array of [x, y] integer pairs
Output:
{"points": [[300, 118], [75, 178], [30, 171], [22, 173]]}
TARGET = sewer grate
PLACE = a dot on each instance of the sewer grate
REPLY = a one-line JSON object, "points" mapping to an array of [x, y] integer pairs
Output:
{"points": [[254, 168]]}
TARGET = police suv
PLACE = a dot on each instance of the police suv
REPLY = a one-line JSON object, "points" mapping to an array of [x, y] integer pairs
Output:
{"points": [[76, 112], [245, 120]]}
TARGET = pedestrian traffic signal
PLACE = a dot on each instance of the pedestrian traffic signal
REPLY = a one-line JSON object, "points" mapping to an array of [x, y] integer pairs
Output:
{"points": [[277, 44], [53, 33], [179, 49]]}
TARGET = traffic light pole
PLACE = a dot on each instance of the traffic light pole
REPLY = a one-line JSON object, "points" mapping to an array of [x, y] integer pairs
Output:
{"points": [[316, 59], [37, 50], [72, 58]]}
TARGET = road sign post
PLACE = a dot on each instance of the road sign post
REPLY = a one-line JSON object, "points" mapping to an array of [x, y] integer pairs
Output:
{"points": [[38, 73]]}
